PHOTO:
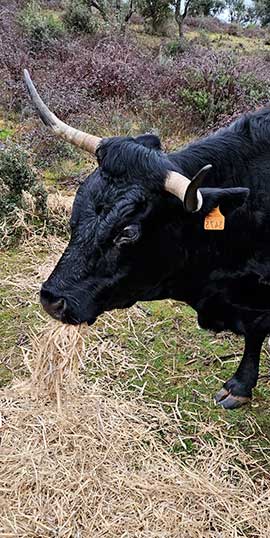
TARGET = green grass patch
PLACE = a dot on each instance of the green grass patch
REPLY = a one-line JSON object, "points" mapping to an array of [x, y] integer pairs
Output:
{"points": [[175, 363], [6, 133]]}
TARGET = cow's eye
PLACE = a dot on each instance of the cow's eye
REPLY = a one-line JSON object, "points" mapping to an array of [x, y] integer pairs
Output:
{"points": [[129, 234]]}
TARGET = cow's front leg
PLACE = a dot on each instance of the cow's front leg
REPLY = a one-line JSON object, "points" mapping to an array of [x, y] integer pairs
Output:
{"points": [[237, 391]]}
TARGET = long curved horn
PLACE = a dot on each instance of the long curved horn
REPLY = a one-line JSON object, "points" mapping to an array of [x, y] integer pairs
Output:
{"points": [[187, 190], [74, 136]]}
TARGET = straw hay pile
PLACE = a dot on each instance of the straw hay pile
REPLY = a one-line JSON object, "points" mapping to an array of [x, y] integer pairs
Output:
{"points": [[57, 355], [101, 464]]}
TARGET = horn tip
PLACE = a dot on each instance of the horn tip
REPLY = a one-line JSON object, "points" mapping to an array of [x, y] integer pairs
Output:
{"points": [[27, 80], [26, 75]]}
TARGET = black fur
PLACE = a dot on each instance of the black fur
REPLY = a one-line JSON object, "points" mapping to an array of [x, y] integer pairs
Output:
{"points": [[166, 253]]}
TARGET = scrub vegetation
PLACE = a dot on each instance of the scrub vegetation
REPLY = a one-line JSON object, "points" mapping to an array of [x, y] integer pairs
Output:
{"points": [[141, 416]]}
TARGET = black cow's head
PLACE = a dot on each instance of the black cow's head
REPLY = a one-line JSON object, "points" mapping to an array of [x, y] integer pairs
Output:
{"points": [[125, 245], [118, 251]]}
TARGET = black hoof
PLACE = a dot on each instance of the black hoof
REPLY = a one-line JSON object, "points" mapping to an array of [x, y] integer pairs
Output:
{"points": [[229, 401], [233, 394]]}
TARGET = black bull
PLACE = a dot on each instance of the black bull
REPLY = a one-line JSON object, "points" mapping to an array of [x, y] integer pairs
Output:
{"points": [[132, 241]]}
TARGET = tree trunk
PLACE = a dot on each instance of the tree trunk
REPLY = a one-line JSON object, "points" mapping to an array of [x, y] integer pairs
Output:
{"points": [[180, 17], [127, 17], [181, 28]]}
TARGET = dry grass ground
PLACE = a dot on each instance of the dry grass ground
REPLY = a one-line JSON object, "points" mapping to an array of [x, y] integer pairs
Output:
{"points": [[105, 466]]}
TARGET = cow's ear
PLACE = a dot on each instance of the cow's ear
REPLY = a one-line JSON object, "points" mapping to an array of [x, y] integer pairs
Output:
{"points": [[150, 141], [227, 199]]}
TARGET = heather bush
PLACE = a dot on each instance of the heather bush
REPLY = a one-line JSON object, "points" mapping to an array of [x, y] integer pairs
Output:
{"points": [[42, 29], [11, 59], [234, 29], [117, 85], [51, 150], [214, 90], [254, 31], [136, 18], [209, 24], [97, 75], [211, 87], [223, 91], [202, 39], [117, 68], [257, 91]]}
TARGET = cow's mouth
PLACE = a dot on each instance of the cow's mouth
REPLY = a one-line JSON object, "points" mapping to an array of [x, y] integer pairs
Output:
{"points": [[69, 318], [91, 321]]}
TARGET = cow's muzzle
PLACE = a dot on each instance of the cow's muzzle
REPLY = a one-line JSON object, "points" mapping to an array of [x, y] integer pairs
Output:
{"points": [[64, 309], [54, 305]]}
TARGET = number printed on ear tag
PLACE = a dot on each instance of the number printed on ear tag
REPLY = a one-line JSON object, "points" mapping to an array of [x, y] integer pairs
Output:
{"points": [[214, 220]]}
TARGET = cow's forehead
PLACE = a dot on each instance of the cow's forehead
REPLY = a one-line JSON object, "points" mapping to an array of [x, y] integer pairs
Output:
{"points": [[99, 192]]}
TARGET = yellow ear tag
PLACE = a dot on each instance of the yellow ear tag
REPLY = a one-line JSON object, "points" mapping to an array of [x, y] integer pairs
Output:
{"points": [[214, 220]]}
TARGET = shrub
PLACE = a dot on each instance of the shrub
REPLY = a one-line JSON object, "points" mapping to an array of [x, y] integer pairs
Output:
{"points": [[172, 48], [23, 200], [257, 91], [203, 38], [222, 87], [234, 29], [42, 29], [136, 18], [213, 91], [209, 24], [117, 69], [177, 47], [198, 99], [254, 31], [15, 171], [84, 79], [79, 18], [219, 93]]}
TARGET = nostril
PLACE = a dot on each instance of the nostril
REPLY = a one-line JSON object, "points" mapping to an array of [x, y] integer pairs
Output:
{"points": [[55, 306], [60, 306], [47, 297]]}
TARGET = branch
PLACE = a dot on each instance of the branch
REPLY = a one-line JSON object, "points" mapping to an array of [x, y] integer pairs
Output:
{"points": [[186, 9], [177, 10], [130, 11], [178, 15]]}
